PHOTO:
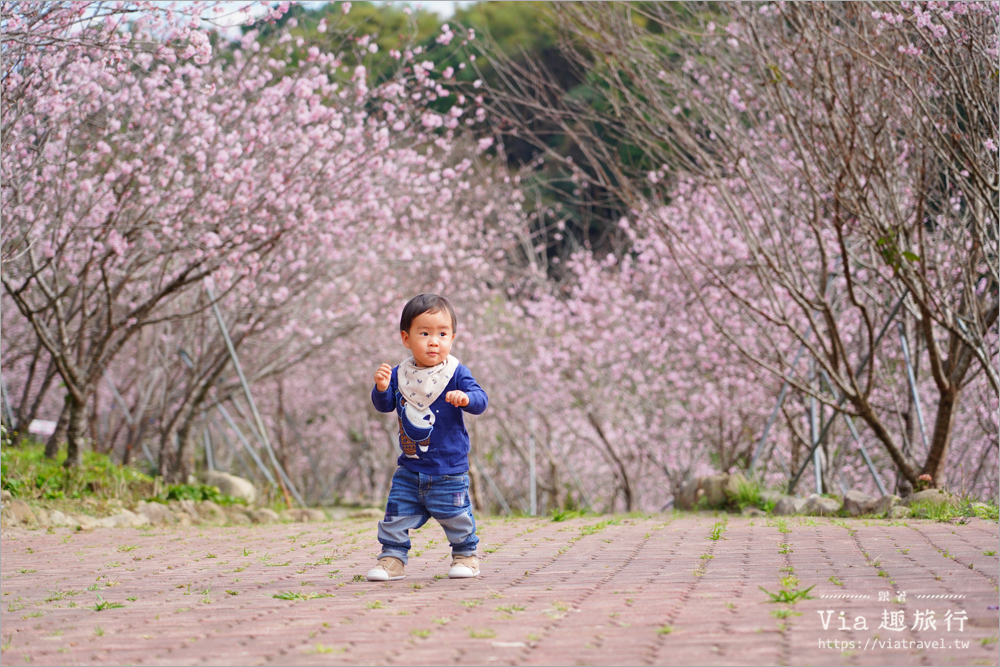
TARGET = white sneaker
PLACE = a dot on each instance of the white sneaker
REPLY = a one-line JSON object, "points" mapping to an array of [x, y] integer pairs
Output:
{"points": [[463, 567], [388, 569]]}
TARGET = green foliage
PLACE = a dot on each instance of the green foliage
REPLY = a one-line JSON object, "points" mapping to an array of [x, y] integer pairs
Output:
{"points": [[386, 26], [516, 27], [934, 511], [197, 493], [27, 474], [944, 511], [750, 492], [988, 510]]}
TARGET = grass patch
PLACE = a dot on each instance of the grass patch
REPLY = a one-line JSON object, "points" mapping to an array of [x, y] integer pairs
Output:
{"points": [[750, 493], [28, 475], [964, 510]]}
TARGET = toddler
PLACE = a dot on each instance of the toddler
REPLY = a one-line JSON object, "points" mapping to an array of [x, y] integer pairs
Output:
{"points": [[428, 391]]}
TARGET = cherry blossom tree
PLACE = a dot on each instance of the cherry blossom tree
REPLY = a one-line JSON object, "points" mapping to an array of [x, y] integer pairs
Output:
{"points": [[130, 182], [844, 159]]}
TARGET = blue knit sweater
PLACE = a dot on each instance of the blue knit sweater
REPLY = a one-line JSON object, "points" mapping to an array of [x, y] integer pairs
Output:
{"points": [[448, 446]]}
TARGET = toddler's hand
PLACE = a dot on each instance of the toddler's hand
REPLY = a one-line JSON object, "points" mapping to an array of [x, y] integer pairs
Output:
{"points": [[457, 398], [382, 377]]}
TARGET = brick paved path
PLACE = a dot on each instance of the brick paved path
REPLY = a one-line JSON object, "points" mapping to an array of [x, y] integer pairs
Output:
{"points": [[637, 591]]}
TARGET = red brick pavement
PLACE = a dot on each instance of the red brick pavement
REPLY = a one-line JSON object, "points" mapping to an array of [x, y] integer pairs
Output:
{"points": [[636, 591]]}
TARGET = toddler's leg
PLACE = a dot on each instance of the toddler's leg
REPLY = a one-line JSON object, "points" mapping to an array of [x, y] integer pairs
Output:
{"points": [[449, 504], [403, 512]]}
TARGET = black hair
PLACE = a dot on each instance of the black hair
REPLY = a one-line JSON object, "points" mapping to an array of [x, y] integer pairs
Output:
{"points": [[426, 303]]}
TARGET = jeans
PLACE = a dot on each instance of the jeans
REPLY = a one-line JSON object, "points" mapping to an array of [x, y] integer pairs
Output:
{"points": [[414, 498]]}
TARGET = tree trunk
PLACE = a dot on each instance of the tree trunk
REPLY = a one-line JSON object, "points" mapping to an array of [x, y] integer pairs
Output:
{"points": [[74, 432], [57, 437], [622, 481], [26, 413], [185, 450], [166, 464], [553, 490], [944, 424]]}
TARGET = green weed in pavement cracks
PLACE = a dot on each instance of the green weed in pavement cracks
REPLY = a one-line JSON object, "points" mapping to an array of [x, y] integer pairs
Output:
{"points": [[598, 527], [566, 514], [292, 595], [717, 531], [105, 604], [789, 593], [320, 648], [789, 596], [482, 633]]}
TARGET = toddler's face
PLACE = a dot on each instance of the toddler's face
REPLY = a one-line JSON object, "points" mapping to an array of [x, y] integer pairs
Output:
{"points": [[429, 338]]}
